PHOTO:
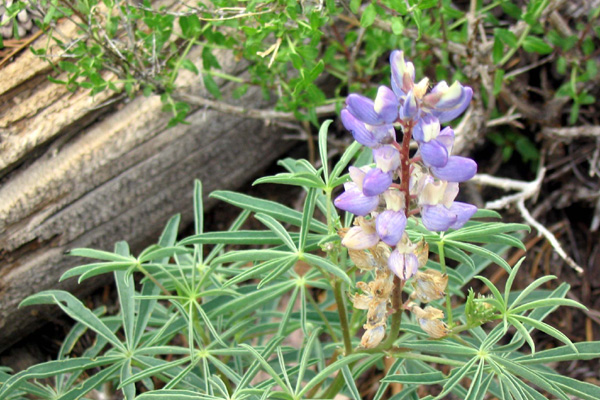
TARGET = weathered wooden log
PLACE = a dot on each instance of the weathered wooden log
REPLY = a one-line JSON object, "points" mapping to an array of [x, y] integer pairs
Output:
{"points": [[75, 175]]}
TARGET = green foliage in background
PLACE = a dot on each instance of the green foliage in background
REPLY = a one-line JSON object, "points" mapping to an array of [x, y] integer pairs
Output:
{"points": [[312, 52]]}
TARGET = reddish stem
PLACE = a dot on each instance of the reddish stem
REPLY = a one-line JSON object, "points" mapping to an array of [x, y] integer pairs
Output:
{"points": [[405, 163]]}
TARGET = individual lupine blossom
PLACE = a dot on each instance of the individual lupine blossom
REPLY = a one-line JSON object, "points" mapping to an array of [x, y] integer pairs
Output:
{"points": [[373, 194]]}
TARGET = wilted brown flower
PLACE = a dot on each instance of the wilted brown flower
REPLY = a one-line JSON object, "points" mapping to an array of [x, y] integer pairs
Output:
{"points": [[430, 321], [429, 285]]}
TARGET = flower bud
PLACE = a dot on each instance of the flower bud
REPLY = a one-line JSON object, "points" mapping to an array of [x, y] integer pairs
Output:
{"points": [[404, 265], [403, 73], [390, 226]]}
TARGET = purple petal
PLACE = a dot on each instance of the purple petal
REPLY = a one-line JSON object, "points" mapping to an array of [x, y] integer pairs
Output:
{"points": [[356, 202], [410, 108], [426, 129], [363, 109], [446, 138], [390, 226], [463, 211], [358, 239], [376, 182], [401, 71], [383, 134], [434, 154], [403, 265], [437, 218], [387, 158], [453, 102], [358, 129], [386, 104], [457, 169]]}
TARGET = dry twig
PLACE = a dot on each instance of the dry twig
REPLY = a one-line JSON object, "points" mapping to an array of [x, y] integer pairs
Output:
{"points": [[525, 190]]}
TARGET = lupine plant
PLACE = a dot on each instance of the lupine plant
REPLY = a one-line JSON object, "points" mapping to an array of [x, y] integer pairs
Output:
{"points": [[210, 316]]}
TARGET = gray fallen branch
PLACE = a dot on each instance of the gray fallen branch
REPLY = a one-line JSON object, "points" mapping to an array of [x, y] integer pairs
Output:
{"points": [[525, 190], [572, 133], [328, 109]]}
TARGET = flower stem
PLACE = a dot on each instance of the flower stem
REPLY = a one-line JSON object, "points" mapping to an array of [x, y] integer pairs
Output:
{"points": [[448, 300], [341, 306]]}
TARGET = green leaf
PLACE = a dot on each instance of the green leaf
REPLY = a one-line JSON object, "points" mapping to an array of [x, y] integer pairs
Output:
{"points": [[76, 310], [497, 295], [83, 388], [305, 179], [276, 210], [544, 327], [344, 160], [307, 214], [456, 376], [275, 273], [266, 366], [350, 384], [211, 86], [428, 378], [531, 376], [368, 16], [327, 266], [498, 81], [584, 351], [533, 44], [190, 26], [90, 270], [506, 36], [532, 286], [259, 269], [482, 251], [579, 389], [172, 394], [327, 371], [53, 368], [162, 253], [323, 148], [190, 66], [278, 229], [99, 254], [252, 255], [126, 292]]}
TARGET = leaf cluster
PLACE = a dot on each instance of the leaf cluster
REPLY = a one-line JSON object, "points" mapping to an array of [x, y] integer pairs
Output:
{"points": [[200, 316]]}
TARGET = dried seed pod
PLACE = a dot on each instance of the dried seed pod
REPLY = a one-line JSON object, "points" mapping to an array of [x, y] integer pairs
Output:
{"points": [[430, 321], [429, 285], [372, 337]]}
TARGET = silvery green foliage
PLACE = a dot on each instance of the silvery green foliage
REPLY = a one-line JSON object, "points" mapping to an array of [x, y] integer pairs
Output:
{"points": [[206, 319]]}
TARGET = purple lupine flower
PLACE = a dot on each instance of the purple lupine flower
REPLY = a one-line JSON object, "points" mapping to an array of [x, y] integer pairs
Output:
{"points": [[403, 74], [447, 103], [463, 211], [360, 238], [433, 153], [387, 158], [367, 135], [390, 226], [386, 105], [354, 201], [457, 169], [444, 102], [376, 182], [437, 218], [403, 265]]}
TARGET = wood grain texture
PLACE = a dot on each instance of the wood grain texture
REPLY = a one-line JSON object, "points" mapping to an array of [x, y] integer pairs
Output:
{"points": [[75, 176]]}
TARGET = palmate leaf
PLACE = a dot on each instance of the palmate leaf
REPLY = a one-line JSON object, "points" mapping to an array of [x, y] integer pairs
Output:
{"points": [[52, 368], [481, 251], [95, 269], [585, 351], [75, 309], [456, 376], [328, 371], [278, 229], [581, 390], [304, 179], [175, 395], [532, 376]]}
